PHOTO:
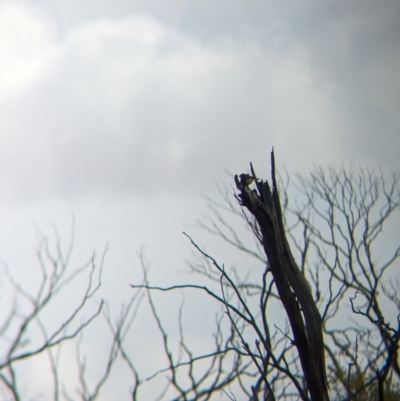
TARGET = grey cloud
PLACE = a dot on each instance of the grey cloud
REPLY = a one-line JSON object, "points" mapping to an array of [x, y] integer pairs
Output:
{"points": [[136, 105], [353, 50]]}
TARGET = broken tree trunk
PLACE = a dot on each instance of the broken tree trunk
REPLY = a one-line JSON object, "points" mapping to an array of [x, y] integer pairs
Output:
{"points": [[293, 289]]}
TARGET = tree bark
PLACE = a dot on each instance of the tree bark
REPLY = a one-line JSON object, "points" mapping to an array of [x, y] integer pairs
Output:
{"points": [[294, 292]]}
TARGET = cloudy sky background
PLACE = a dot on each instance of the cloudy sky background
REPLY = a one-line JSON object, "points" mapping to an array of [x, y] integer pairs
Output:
{"points": [[124, 113]]}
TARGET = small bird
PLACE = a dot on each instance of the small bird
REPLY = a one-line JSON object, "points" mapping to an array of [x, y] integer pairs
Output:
{"points": [[246, 179]]}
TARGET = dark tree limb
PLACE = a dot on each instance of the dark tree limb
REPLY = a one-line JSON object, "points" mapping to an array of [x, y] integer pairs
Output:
{"points": [[293, 289]]}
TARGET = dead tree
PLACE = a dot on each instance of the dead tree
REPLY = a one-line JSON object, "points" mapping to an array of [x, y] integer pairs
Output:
{"points": [[304, 317], [343, 236], [25, 331], [334, 225]]}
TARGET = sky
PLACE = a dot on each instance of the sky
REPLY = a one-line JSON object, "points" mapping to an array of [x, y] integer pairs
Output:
{"points": [[123, 115]]}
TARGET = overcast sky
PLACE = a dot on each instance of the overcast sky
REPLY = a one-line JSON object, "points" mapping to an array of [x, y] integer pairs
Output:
{"points": [[124, 113]]}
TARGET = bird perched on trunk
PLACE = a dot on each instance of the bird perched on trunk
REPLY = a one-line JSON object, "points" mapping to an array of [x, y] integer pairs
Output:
{"points": [[246, 179]]}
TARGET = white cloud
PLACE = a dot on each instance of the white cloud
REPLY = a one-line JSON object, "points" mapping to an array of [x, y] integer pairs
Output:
{"points": [[25, 40]]}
